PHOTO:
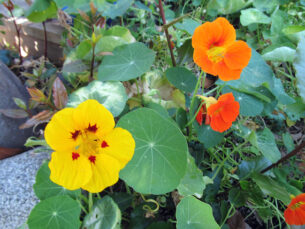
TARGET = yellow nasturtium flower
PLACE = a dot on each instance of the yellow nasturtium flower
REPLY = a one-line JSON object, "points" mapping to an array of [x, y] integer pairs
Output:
{"points": [[89, 151]]}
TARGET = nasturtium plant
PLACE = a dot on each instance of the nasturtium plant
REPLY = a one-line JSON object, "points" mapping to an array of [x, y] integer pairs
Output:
{"points": [[160, 114]]}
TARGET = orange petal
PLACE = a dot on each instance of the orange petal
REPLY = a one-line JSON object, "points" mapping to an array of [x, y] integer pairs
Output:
{"points": [[214, 107], [238, 55], [226, 73], [228, 97], [230, 112], [228, 35], [299, 198], [288, 215], [218, 124], [201, 59], [199, 117], [206, 34]]}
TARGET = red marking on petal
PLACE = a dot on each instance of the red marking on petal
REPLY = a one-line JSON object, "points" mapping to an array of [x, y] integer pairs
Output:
{"points": [[104, 144], [92, 128], [75, 156], [75, 134], [92, 159]]}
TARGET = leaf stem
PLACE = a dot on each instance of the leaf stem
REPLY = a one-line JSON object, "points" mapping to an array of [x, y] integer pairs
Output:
{"points": [[166, 33], [90, 204]]}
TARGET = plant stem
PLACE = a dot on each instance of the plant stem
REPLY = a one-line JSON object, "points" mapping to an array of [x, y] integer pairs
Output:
{"points": [[90, 202], [194, 96], [18, 35], [228, 215], [92, 63], [286, 157], [45, 41], [166, 33]]}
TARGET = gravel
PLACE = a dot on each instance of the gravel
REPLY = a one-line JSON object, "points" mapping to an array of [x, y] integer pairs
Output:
{"points": [[17, 198]]}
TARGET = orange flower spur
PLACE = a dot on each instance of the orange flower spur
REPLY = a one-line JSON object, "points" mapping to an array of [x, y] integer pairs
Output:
{"points": [[220, 113], [88, 151], [217, 52], [295, 212]]}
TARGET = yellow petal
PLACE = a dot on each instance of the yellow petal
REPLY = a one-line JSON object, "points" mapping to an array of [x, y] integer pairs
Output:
{"points": [[105, 172], [119, 144], [70, 170], [58, 132], [91, 112]]}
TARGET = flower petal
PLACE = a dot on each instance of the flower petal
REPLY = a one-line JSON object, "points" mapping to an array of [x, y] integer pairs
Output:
{"points": [[218, 124], [59, 131], [120, 145], [226, 73], [92, 113], [228, 35], [288, 215], [206, 34], [70, 170], [201, 59], [230, 112], [237, 55], [105, 172]]}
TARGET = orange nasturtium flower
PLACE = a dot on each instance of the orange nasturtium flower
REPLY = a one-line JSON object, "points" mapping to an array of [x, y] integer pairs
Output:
{"points": [[217, 52], [295, 212], [221, 113], [89, 151]]}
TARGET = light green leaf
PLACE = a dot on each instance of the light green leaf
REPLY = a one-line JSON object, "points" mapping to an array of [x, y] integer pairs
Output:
{"points": [[109, 43], [181, 78], [271, 187], [83, 49], [194, 214], [128, 62], [122, 32], [111, 94], [160, 157], [299, 65], [45, 188], [188, 25], [265, 5], [41, 10], [281, 54], [226, 6], [252, 15], [288, 142], [193, 182], [56, 212], [105, 214], [265, 142]]}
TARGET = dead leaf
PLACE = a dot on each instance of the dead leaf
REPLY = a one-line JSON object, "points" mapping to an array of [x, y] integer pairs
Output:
{"points": [[14, 113], [43, 116], [237, 221], [60, 95], [84, 16]]}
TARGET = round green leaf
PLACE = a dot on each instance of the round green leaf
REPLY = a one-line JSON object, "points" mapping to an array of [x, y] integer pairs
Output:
{"points": [[45, 188], [56, 212], [128, 62], [207, 136], [299, 65], [105, 214], [194, 214], [181, 78], [281, 54], [113, 10], [252, 15], [111, 94], [160, 157]]}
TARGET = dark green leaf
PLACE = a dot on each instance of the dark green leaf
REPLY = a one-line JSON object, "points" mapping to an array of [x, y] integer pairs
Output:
{"points": [[181, 78]]}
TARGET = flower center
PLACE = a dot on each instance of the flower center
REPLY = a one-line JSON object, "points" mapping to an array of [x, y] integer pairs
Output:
{"points": [[89, 144], [297, 205], [216, 54]]}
